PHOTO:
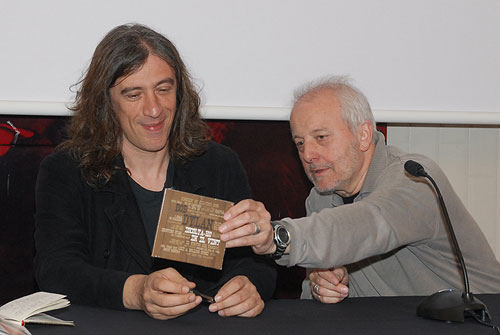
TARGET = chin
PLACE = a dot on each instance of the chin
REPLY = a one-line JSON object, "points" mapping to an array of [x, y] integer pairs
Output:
{"points": [[152, 148], [322, 188], [156, 146]]}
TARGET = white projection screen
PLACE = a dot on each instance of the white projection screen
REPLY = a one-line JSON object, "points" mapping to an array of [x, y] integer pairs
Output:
{"points": [[416, 59]]}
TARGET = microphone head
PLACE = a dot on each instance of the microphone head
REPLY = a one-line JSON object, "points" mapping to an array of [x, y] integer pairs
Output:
{"points": [[415, 169]]}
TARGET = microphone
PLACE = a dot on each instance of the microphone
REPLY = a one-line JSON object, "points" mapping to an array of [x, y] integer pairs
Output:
{"points": [[415, 169], [448, 305]]}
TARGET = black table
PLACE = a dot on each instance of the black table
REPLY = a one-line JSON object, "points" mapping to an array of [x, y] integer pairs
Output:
{"points": [[380, 315]]}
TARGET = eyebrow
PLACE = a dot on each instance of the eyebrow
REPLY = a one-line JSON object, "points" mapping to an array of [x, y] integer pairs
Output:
{"points": [[312, 132], [319, 130], [161, 82]]}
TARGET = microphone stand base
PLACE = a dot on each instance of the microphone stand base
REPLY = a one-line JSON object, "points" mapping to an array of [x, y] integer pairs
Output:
{"points": [[449, 305]]}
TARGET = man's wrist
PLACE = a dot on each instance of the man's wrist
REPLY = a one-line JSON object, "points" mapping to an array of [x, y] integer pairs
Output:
{"points": [[281, 240], [271, 250], [132, 292]]}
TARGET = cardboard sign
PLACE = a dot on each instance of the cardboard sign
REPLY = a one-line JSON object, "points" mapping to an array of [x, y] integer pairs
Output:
{"points": [[188, 229]]}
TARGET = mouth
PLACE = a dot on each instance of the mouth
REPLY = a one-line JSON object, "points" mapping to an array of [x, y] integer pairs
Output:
{"points": [[318, 171], [153, 127]]}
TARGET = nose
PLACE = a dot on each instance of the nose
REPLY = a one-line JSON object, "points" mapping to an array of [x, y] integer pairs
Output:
{"points": [[151, 105], [310, 152]]}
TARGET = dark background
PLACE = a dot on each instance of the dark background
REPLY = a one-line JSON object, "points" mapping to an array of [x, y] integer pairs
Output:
{"points": [[265, 149]]}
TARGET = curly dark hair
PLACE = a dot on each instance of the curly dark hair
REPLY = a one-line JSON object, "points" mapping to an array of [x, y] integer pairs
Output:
{"points": [[94, 131]]}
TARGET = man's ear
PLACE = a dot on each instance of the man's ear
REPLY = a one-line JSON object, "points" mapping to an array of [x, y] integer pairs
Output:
{"points": [[365, 135]]}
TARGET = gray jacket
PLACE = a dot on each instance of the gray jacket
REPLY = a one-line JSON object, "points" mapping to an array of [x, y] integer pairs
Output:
{"points": [[393, 238]]}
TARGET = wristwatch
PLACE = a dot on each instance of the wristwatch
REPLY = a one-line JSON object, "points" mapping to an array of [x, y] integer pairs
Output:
{"points": [[281, 239]]}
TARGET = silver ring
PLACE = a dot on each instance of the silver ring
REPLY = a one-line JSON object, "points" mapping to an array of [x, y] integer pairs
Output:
{"points": [[257, 228], [315, 289]]}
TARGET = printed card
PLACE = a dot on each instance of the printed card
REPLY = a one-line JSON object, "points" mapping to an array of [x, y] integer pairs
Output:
{"points": [[188, 229]]}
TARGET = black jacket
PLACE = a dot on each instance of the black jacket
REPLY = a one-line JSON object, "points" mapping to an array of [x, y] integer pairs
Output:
{"points": [[89, 240]]}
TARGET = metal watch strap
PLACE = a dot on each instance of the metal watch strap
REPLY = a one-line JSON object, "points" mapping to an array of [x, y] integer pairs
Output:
{"points": [[280, 246]]}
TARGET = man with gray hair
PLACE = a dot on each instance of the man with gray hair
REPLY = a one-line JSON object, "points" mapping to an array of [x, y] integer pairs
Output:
{"points": [[364, 211]]}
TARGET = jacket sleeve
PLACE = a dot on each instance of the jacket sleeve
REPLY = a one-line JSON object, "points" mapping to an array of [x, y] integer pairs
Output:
{"points": [[63, 239], [399, 212]]}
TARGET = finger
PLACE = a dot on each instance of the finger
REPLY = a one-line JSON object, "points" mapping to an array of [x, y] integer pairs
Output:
{"points": [[161, 284], [240, 207], [244, 302], [238, 296], [171, 281], [345, 275], [331, 290], [340, 273], [230, 288], [247, 223], [329, 276], [327, 300], [242, 225], [173, 275], [254, 311], [322, 286], [337, 292], [163, 312], [224, 303], [246, 211], [245, 235], [319, 277], [328, 296], [248, 308], [168, 300]]}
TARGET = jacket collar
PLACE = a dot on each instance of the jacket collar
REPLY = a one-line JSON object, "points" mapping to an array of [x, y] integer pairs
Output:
{"points": [[378, 163]]}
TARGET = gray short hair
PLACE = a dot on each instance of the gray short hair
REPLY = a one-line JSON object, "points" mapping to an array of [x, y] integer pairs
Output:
{"points": [[354, 105]]}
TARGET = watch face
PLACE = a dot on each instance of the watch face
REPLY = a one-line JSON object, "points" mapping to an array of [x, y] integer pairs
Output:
{"points": [[283, 235]]}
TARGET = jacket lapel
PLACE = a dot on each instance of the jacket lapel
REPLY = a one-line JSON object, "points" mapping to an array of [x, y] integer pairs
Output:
{"points": [[183, 179], [125, 218]]}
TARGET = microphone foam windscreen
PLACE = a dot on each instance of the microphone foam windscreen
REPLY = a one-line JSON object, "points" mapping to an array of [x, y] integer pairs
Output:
{"points": [[414, 168]]}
